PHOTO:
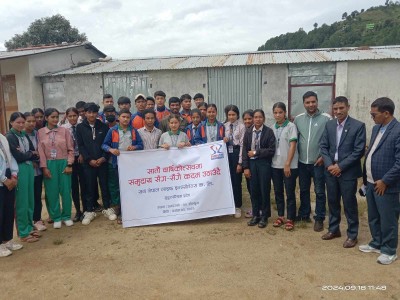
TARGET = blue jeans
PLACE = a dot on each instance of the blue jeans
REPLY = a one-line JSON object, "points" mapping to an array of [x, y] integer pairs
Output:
{"points": [[280, 181], [306, 172], [383, 219]]}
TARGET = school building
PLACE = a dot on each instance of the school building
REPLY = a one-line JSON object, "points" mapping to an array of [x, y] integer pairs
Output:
{"points": [[20, 86], [249, 80]]}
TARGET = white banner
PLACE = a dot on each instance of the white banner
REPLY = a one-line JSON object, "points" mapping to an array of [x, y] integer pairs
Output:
{"points": [[162, 186]]}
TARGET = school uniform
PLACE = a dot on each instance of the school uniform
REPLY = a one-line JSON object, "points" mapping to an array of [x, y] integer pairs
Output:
{"points": [[284, 135], [90, 138], [173, 139], [56, 151], [187, 115], [120, 139], [262, 142], [161, 113], [235, 133], [190, 131], [78, 185], [208, 132], [8, 168], [21, 148], [137, 121], [37, 182]]}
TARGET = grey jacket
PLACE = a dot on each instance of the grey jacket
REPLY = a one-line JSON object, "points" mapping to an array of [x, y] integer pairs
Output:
{"points": [[310, 130]]}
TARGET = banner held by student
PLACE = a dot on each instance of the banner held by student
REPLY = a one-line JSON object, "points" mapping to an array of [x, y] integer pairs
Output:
{"points": [[162, 186]]}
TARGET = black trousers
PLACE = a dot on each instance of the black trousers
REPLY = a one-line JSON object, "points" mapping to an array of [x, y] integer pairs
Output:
{"points": [[7, 204], [236, 178], [78, 186], [91, 177], [37, 194], [338, 188], [281, 183], [260, 170]]}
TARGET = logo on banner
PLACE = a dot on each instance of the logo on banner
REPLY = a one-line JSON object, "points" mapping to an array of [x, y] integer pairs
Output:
{"points": [[217, 153]]}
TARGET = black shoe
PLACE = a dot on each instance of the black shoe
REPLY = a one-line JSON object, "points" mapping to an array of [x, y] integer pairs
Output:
{"points": [[77, 217], [318, 225], [263, 222], [254, 221]]}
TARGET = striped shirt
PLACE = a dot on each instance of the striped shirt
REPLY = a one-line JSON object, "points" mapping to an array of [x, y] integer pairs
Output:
{"points": [[150, 138]]}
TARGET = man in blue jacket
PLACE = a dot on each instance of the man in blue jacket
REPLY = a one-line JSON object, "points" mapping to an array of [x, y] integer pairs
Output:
{"points": [[382, 177], [342, 146]]}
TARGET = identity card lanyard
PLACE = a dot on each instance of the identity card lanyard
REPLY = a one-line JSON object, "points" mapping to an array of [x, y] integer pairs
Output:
{"points": [[53, 151], [279, 131], [231, 130], [174, 138]]}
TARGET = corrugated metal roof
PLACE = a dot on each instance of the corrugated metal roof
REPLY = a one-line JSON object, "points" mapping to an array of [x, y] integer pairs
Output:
{"points": [[43, 49], [238, 59]]}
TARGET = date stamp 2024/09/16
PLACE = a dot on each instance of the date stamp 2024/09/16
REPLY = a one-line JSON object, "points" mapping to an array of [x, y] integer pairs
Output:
{"points": [[353, 287]]}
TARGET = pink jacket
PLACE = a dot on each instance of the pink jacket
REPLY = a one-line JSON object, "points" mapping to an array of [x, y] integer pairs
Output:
{"points": [[59, 139]]}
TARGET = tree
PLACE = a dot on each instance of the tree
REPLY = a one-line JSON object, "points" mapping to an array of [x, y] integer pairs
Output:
{"points": [[354, 13], [50, 30], [315, 25], [344, 16]]}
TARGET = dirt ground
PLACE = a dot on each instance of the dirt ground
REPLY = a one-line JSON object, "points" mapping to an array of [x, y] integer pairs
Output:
{"points": [[216, 258]]}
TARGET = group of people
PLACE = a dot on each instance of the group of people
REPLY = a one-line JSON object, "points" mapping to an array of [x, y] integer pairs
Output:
{"points": [[77, 155]]}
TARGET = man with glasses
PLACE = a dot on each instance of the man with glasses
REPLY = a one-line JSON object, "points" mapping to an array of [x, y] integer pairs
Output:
{"points": [[382, 177]]}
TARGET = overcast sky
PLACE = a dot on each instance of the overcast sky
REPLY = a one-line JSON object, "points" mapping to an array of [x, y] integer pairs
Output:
{"points": [[127, 29]]}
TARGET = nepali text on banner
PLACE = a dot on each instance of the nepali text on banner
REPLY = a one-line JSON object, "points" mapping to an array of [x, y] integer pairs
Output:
{"points": [[162, 186]]}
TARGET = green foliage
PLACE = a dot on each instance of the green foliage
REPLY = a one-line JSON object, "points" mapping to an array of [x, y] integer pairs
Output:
{"points": [[375, 26], [51, 30]]}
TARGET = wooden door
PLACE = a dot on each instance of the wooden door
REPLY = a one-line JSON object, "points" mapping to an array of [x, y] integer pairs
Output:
{"points": [[8, 100]]}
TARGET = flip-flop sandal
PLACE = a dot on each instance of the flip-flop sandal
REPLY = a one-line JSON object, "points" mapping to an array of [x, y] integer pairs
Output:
{"points": [[29, 239], [35, 233], [289, 225], [279, 222]]}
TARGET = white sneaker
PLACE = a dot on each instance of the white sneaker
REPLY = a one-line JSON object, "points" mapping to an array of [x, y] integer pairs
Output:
{"points": [[110, 214], [88, 216], [238, 213], [39, 226], [69, 223], [11, 245], [57, 225], [4, 251], [385, 259], [368, 249]]}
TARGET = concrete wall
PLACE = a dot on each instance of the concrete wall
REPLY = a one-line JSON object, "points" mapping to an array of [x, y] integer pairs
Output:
{"points": [[63, 92], [27, 68], [275, 88], [19, 68], [54, 61], [178, 82], [369, 80]]}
